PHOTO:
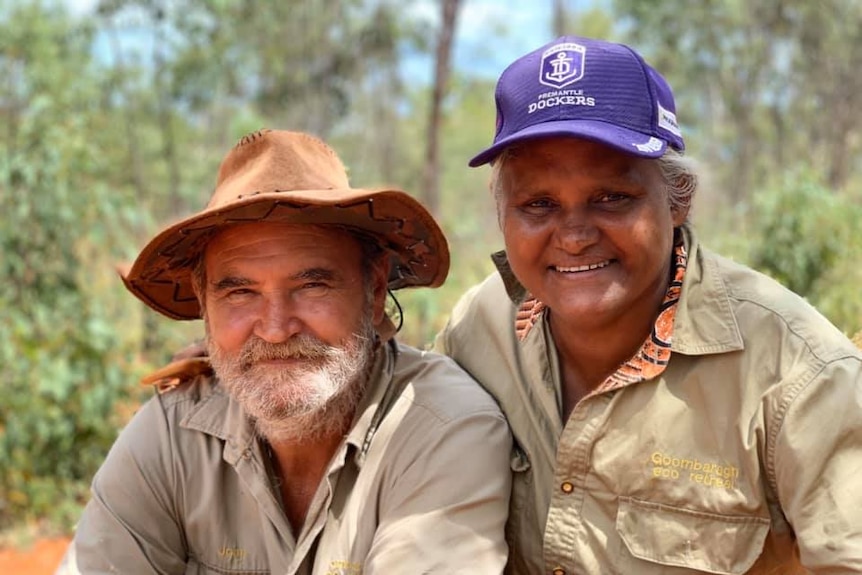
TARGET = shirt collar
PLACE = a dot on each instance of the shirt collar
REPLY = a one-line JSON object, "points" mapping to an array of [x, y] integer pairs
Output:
{"points": [[705, 322]]}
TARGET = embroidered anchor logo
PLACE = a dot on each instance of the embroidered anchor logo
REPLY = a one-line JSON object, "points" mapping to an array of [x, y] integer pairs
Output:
{"points": [[562, 65]]}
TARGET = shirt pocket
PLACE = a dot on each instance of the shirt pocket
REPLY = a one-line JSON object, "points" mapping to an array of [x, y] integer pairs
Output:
{"points": [[672, 536]]}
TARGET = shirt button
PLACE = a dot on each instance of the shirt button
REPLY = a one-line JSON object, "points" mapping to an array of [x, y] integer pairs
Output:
{"points": [[559, 571], [567, 487]]}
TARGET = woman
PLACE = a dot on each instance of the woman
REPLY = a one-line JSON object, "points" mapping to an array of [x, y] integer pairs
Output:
{"points": [[674, 412]]}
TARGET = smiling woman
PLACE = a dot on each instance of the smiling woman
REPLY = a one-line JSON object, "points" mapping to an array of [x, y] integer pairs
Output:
{"points": [[662, 398]]}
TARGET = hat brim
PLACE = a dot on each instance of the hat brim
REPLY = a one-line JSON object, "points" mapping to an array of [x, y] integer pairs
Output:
{"points": [[161, 276], [622, 139]]}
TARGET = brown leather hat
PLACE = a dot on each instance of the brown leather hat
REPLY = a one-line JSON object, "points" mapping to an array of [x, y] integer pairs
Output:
{"points": [[291, 177]]}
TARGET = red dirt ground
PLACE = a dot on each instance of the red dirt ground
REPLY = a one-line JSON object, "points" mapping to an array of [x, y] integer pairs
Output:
{"points": [[41, 558]]}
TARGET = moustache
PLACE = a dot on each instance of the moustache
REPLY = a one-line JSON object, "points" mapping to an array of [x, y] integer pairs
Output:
{"points": [[301, 347]]}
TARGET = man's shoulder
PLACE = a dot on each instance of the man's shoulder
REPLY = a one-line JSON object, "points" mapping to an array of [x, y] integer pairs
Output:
{"points": [[173, 406], [191, 392], [485, 306], [438, 383]]}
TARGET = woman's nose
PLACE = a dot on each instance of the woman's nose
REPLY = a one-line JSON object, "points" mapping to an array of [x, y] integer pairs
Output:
{"points": [[575, 230]]}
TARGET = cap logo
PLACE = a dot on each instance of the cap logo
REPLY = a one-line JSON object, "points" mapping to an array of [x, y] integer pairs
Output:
{"points": [[651, 145], [562, 65]]}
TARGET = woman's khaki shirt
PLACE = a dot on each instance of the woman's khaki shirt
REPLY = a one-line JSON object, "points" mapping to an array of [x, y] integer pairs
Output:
{"points": [[744, 455]]}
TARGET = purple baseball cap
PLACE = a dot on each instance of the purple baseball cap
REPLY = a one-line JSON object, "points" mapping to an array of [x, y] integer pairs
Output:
{"points": [[589, 89]]}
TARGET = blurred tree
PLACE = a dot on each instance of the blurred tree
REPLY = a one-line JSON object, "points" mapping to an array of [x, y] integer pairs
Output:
{"points": [[559, 23], [62, 361], [807, 238], [439, 87], [826, 87]]}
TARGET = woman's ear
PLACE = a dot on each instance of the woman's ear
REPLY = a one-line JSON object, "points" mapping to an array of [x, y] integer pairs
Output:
{"points": [[681, 205]]}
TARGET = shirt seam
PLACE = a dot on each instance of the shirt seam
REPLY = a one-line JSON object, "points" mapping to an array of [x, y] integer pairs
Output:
{"points": [[787, 400]]}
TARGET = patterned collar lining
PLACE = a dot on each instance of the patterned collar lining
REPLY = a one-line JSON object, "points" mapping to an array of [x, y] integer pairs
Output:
{"points": [[653, 356]]}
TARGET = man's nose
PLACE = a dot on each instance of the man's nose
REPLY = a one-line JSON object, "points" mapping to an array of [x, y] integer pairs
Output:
{"points": [[278, 320]]}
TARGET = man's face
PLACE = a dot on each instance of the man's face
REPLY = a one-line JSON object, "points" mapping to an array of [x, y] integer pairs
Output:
{"points": [[290, 322], [588, 230]]}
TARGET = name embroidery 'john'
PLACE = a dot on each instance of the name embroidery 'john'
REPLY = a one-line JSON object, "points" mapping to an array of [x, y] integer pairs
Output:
{"points": [[706, 473], [232, 553]]}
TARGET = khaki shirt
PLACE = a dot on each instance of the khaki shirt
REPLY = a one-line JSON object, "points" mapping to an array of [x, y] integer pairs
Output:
{"points": [[743, 456], [421, 484]]}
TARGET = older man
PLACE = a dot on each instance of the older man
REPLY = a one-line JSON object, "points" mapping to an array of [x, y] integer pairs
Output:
{"points": [[320, 445]]}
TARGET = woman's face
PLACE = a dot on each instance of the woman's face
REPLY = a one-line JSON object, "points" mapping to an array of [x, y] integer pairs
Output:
{"points": [[588, 229]]}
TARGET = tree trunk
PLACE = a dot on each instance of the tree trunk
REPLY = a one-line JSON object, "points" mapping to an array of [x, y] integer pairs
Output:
{"points": [[431, 173], [560, 24]]}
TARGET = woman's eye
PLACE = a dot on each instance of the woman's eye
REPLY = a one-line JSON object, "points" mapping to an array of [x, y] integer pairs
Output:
{"points": [[613, 197], [539, 205]]}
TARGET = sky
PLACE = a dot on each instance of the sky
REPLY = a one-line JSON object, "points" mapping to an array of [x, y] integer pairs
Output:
{"points": [[493, 33], [517, 26]]}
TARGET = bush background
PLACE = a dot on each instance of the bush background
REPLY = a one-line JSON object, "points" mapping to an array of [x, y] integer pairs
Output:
{"points": [[115, 114]]}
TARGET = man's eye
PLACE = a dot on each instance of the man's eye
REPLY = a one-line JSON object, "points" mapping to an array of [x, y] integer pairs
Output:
{"points": [[239, 293]]}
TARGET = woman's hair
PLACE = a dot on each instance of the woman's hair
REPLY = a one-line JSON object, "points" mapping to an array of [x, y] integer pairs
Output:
{"points": [[680, 175], [678, 172]]}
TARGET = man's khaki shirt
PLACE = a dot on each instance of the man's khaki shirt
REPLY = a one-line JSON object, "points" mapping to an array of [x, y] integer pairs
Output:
{"points": [[421, 484], [743, 456]]}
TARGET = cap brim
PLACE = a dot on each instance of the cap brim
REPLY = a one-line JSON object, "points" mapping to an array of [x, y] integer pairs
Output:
{"points": [[625, 140]]}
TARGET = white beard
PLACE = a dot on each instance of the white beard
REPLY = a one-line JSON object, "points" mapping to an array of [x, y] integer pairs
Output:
{"points": [[314, 399]]}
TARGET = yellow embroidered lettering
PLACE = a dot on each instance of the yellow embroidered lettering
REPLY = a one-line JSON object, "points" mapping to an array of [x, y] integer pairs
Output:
{"points": [[232, 553], [709, 474], [342, 567]]}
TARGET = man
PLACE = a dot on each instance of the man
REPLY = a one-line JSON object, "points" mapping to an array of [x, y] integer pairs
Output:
{"points": [[320, 445], [673, 412]]}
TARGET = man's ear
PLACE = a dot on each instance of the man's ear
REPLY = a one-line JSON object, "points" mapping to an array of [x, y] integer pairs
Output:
{"points": [[380, 280]]}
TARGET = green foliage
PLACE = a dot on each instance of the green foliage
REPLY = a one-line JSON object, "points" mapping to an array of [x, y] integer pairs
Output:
{"points": [[62, 371], [807, 238]]}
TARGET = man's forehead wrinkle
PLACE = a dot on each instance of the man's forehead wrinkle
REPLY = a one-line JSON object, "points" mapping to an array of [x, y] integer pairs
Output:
{"points": [[316, 273], [230, 281]]}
